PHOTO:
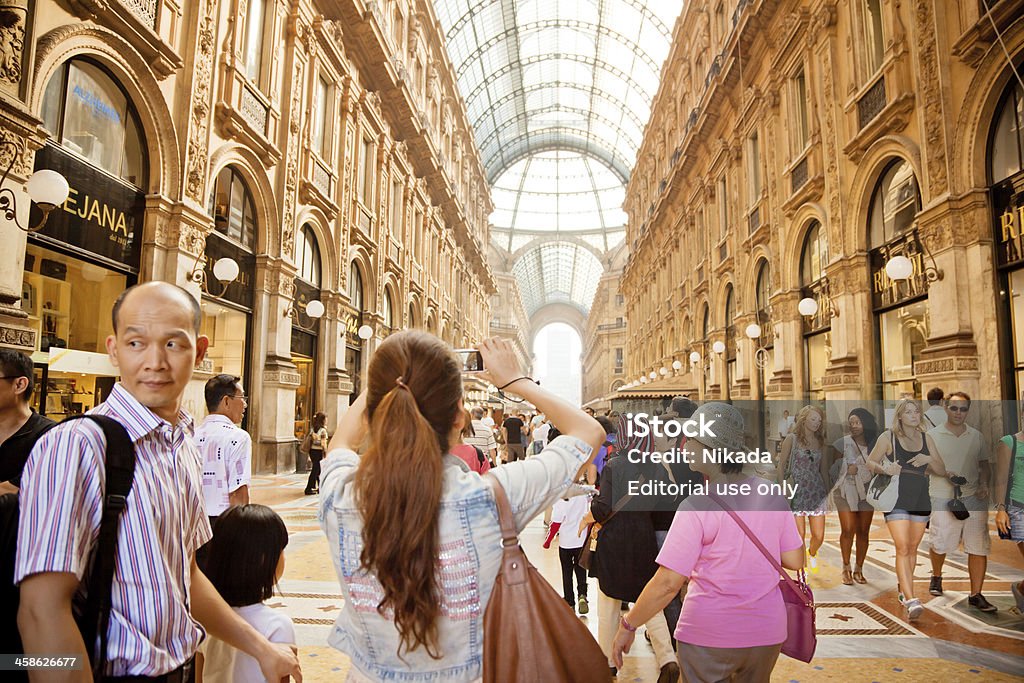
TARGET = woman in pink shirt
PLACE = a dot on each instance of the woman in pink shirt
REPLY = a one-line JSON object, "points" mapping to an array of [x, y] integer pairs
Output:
{"points": [[733, 621]]}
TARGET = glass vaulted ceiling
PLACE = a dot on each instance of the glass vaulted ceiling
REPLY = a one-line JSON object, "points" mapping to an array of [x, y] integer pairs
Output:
{"points": [[558, 93]]}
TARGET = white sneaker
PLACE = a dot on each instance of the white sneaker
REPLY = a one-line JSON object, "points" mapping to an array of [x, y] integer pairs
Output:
{"points": [[914, 609], [812, 563]]}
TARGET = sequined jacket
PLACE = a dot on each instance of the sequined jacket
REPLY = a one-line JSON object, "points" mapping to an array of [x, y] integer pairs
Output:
{"points": [[470, 541]]}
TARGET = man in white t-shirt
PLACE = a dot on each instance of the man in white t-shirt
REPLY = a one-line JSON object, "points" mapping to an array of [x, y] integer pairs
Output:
{"points": [[936, 413], [225, 447], [962, 450], [486, 418]]}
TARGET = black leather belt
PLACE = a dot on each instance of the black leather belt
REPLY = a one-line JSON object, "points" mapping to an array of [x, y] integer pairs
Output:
{"points": [[183, 674]]}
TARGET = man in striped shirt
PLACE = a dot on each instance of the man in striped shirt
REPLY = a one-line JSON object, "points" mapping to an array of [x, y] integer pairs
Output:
{"points": [[161, 601]]}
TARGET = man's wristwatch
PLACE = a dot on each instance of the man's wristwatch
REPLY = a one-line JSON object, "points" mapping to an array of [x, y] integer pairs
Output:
{"points": [[626, 625]]}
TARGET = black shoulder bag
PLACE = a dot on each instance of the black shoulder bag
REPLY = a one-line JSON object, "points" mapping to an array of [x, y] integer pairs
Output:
{"points": [[93, 616]]}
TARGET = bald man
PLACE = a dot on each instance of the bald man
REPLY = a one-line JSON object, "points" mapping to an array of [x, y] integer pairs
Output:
{"points": [[159, 595]]}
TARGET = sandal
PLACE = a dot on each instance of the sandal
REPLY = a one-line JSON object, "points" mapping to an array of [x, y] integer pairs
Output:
{"points": [[858, 576], [847, 577]]}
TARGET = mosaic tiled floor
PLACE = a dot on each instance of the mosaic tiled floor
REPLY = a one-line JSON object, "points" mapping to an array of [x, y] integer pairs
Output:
{"points": [[863, 635]]}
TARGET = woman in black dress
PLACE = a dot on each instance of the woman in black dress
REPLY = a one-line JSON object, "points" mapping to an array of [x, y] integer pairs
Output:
{"points": [[907, 451]]}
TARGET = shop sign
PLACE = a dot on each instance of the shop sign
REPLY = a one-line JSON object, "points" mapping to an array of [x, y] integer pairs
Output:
{"points": [[1008, 210], [352, 324], [239, 291], [886, 292], [101, 215]]}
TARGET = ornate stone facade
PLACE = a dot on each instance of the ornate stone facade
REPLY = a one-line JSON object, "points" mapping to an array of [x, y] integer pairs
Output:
{"points": [[796, 113]]}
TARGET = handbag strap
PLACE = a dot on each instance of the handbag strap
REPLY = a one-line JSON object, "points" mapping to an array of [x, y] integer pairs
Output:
{"points": [[513, 560], [760, 546], [623, 501]]}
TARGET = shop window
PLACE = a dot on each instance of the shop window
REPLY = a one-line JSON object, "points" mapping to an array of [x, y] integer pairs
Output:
{"points": [[1016, 295], [255, 23], [1006, 149], [817, 349], [90, 114], [307, 256], [902, 334], [814, 256], [232, 208], [320, 116], [68, 303], [227, 330]]}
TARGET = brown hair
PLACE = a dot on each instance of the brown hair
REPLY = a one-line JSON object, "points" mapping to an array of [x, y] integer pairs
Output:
{"points": [[413, 392], [467, 428]]}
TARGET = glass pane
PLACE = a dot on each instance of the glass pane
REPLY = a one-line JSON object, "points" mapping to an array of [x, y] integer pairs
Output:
{"points": [[232, 208], [1016, 293], [902, 333], [254, 24], [817, 349], [1007, 145], [227, 330], [895, 204], [355, 287], [95, 116], [319, 116], [68, 301]]}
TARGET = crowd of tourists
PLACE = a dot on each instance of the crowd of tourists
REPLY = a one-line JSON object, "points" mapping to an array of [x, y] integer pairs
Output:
{"points": [[129, 539]]}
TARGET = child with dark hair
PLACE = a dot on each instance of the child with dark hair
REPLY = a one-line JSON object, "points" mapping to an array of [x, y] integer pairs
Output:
{"points": [[245, 562]]}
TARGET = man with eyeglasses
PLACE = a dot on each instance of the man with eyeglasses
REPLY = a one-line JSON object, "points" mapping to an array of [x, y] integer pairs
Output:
{"points": [[225, 447], [20, 426], [963, 452]]}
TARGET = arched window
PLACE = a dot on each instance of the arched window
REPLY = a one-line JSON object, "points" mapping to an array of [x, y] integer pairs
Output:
{"points": [[762, 288], [388, 311], [1006, 148], [706, 324], [90, 114], [895, 204], [307, 256], [355, 287], [232, 208], [814, 255], [730, 314]]}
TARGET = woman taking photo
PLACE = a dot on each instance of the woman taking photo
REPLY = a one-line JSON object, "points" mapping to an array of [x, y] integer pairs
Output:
{"points": [[733, 621], [850, 492], [415, 539], [907, 451], [802, 465]]}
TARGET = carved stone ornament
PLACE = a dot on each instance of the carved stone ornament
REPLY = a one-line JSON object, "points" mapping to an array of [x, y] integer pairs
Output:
{"points": [[934, 125], [192, 239], [12, 40], [13, 336], [22, 164], [198, 136]]}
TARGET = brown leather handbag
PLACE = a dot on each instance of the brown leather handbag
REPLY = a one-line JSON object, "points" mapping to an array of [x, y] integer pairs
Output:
{"points": [[530, 633]]}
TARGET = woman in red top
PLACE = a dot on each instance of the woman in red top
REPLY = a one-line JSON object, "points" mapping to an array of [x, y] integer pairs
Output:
{"points": [[471, 455]]}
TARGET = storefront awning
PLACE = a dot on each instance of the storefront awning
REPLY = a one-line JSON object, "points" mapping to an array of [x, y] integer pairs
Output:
{"points": [[82, 362], [660, 388]]}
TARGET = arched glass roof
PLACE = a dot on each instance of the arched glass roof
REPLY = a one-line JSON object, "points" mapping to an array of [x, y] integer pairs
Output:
{"points": [[558, 93], [557, 272], [554, 192]]}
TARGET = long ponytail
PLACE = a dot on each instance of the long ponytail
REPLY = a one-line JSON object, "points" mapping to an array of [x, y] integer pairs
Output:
{"points": [[414, 387]]}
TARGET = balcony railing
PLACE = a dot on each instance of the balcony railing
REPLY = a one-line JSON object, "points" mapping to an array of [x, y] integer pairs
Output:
{"points": [[798, 177], [145, 10], [871, 103], [611, 326]]}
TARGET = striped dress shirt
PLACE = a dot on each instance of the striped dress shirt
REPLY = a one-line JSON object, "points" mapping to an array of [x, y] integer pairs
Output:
{"points": [[152, 631]]}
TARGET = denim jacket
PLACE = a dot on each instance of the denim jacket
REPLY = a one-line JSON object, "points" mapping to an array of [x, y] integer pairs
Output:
{"points": [[470, 557]]}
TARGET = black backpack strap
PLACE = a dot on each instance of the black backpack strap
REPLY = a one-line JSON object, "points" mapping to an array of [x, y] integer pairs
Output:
{"points": [[119, 464]]}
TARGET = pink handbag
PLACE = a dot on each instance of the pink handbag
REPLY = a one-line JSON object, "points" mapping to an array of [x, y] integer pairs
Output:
{"points": [[801, 635]]}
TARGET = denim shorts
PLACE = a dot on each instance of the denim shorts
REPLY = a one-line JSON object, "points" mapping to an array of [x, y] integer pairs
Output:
{"points": [[903, 515], [1016, 513]]}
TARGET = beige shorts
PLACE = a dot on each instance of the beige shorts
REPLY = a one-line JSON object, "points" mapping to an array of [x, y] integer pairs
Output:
{"points": [[946, 531]]}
